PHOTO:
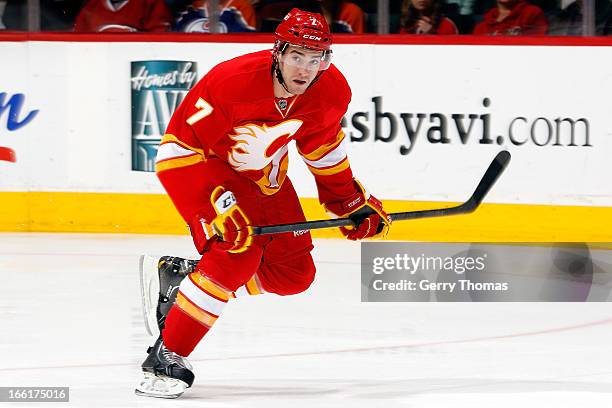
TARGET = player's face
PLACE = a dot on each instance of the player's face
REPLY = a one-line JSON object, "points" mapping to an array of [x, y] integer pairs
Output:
{"points": [[299, 67]]}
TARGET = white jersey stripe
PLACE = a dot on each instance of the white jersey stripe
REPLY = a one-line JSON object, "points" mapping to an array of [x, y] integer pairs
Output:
{"points": [[172, 151], [330, 159]]}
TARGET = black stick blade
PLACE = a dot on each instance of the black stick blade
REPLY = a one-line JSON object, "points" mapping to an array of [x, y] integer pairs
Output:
{"points": [[496, 168]]}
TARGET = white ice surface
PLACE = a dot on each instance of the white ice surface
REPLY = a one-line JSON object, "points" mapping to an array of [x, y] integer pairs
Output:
{"points": [[70, 316]]}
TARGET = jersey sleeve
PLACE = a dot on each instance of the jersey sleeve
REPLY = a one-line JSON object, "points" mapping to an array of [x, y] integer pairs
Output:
{"points": [[195, 126], [324, 151], [329, 164], [447, 27], [535, 22]]}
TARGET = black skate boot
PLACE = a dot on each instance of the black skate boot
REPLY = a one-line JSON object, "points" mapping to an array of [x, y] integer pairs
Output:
{"points": [[159, 283], [166, 374]]}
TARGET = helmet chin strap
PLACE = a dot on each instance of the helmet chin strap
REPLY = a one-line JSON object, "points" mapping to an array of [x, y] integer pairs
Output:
{"points": [[279, 76], [279, 48]]}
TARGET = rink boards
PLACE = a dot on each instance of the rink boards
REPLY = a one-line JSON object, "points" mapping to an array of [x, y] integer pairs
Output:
{"points": [[424, 122]]}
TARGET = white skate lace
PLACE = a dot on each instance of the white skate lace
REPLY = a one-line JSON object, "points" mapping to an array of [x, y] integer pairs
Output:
{"points": [[174, 358]]}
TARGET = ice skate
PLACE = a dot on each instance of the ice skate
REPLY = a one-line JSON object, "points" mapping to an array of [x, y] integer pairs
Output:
{"points": [[160, 278], [166, 374]]}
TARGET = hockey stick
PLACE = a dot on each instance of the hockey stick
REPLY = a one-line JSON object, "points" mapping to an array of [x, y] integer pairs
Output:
{"points": [[496, 168]]}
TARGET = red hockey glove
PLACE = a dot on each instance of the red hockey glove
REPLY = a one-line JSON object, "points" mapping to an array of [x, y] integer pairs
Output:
{"points": [[225, 221], [365, 211]]}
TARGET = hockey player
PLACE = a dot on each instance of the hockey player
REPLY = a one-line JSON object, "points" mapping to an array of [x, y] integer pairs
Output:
{"points": [[223, 162]]}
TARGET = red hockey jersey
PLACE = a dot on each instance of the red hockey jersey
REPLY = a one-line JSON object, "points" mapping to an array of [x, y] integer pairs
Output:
{"points": [[445, 27], [232, 114], [126, 16], [524, 19]]}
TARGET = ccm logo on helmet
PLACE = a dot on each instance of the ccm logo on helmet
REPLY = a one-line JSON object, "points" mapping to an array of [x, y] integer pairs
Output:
{"points": [[312, 37]]}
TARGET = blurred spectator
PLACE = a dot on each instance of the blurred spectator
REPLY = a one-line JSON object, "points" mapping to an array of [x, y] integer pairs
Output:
{"points": [[425, 17], [569, 20], [235, 16], [2, 8], [343, 16], [123, 16], [270, 12], [513, 17]]}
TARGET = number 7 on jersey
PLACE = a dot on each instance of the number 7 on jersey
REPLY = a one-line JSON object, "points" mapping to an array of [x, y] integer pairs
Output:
{"points": [[205, 109]]}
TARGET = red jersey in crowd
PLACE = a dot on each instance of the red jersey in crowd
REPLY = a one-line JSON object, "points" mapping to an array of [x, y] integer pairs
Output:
{"points": [[524, 19], [123, 16], [445, 27], [232, 114]]}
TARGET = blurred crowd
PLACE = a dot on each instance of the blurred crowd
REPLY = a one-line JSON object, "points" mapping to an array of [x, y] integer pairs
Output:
{"points": [[406, 17]]}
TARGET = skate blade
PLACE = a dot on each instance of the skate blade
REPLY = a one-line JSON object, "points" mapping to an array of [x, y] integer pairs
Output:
{"points": [[160, 387], [149, 292]]}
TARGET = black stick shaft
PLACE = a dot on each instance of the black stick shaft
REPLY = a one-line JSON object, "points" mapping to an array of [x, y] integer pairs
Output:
{"points": [[495, 169], [345, 222]]}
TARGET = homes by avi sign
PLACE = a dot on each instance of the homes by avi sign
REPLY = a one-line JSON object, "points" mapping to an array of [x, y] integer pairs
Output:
{"points": [[158, 87]]}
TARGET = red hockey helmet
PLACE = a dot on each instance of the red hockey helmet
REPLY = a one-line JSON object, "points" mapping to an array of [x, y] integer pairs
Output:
{"points": [[305, 29]]}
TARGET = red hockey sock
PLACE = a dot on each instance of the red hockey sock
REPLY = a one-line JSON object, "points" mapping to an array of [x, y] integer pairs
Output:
{"points": [[199, 303], [182, 333]]}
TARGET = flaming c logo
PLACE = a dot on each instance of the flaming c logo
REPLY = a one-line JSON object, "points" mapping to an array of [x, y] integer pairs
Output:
{"points": [[256, 145]]}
